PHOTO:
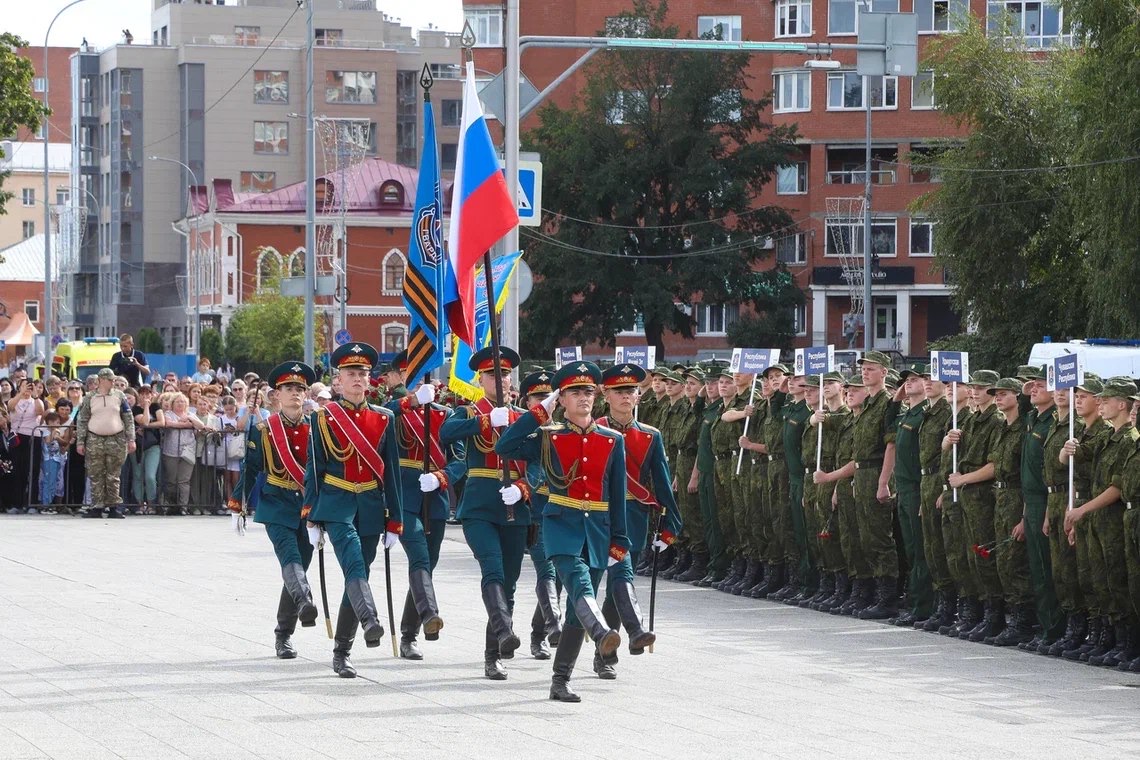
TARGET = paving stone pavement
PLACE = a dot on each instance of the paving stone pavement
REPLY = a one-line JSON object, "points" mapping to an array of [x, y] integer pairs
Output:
{"points": [[153, 638]]}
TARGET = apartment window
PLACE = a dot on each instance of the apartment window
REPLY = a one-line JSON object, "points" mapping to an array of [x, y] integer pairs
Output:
{"points": [[626, 26], [32, 309], [28, 196], [258, 182], [845, 91], [921, 237], [40, 130], [846, 239], [626, 105], [843, 15], [39, 84], [350, 87], [358, 132], [793, 91], [247, 35], [920, 170], [395, 337], [270, 137], [715, 319], [62, 196], [452, 112], [922, 91], [941, 15], [29, 229], [793, 18], [271, 87], [635, 326], [792, 249], [487, 24], [792, 179], [328, 37], [448, 153], [719, 27], [407, 117], [1041, 22], [799, 318], [445, 71]]}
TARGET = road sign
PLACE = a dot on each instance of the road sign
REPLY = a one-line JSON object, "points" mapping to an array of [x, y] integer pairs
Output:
{"points": [[898, 32], [564, 354], [643, 356], [529, 203], [295, 286], [1064, 372], [950, 366], [342, 337], [815, 360], [753, 360]]}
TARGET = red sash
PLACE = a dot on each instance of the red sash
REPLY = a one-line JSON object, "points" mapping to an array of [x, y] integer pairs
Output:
{"points": [[414, 421], [345, 426], [633, 462], [284, 450]]}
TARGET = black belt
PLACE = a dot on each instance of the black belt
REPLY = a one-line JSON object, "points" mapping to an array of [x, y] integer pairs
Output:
{"points": [[1062, 488], [930, 470], [1006, 485], [865, 463]]}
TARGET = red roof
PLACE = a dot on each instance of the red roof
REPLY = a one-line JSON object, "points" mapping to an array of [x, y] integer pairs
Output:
{"points": [[373, 186]]}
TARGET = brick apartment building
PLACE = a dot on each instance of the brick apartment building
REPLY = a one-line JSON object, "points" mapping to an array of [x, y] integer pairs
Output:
{"points": [[911, 304]]}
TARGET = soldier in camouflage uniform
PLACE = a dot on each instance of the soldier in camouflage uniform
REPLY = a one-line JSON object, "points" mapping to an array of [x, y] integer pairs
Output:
{"points": [[1105, 512], [933, 426], [802, 582], [819, 512], [744, 495], [1062, 555], [105, 434], [769, 446], [725, 434], [706, 477], [953, 520], [770, 575], [688, 422], [674, 400], [973, 481], [1130, 488]]}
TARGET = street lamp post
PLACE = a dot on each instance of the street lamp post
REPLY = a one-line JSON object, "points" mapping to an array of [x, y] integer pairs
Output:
{"points": [[48, 332], [197, 331]]}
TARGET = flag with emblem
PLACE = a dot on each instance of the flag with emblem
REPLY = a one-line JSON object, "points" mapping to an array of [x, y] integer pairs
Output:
{"points": [[463, 380], [425, 276]]}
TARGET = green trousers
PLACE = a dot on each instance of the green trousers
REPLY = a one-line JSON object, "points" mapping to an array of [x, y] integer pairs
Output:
{"points": [[690, 505], [1040, 567], [738, 487], [849, 539], [933, 544], [706, 491], [978, 505], [875, 523], [796, 533], [1012, 557], [919, 591], [1062, 556], [1132, 558], [1085, 575], [726, 506], [777, 510], [758, 521], [812, 525], [1106, 558], [955, 540], [831, 533]]}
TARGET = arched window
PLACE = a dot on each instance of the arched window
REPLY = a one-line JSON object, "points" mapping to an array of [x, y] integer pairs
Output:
{"points": [[268, 267], [296, 266], [392, 271], [394, 337], [392, 193]]}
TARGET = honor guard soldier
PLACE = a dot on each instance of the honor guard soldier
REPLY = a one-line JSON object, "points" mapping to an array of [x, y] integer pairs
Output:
{"points": [[546, 623], [424, 501], [352, 488], [652, 518], [496, 516], [278, 449], [584, 522]]}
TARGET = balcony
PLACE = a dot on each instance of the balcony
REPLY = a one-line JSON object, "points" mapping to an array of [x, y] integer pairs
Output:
{"points": [[847, 166]]}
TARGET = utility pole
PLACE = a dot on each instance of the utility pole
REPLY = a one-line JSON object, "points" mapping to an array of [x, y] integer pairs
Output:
{"points": [[310, 191]]}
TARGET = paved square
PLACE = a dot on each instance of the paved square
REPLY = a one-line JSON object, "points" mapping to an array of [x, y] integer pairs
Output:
{"points": [[153, 638]]}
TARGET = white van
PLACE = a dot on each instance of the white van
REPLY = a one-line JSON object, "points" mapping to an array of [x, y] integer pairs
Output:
{"points": [[1107, 358]]}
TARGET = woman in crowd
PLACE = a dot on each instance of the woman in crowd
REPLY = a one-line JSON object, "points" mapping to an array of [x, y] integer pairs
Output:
{"points": [[233, 442], [209, 455], [8, 441], [5, 392], [25, 412], [148, 449], [178, 452], [74, 483]]}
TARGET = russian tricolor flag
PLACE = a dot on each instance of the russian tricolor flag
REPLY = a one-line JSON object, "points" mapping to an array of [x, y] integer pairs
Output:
{"points": [[482, 210]]}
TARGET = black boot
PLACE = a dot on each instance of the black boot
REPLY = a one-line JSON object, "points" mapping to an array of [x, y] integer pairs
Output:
{"points": [[297, 584], [606, 639], [684, 559], [564, 658], [1111, 658], [499, 613], [839, 596], [342, 642], [762, 572], [734, 571], [886, 604], [539, 649], [791, 585], [423, 593], [286, 624], [492, 664], [697, 569], [804, 592], [971, 614], [992, 622], [1130, 649], [773, 581], [360, 595], [630, 612], [825, 592], [747, 578], [1020, 628], [1076, 627], [606, 667], [547, 593], [858, 589], [944, 614], [644, 562], [1104, 643], [409, 627], [1082, 646]]}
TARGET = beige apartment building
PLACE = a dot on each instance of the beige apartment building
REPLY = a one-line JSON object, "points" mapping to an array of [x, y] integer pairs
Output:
{"points": [[221, 89], [24, 164]]}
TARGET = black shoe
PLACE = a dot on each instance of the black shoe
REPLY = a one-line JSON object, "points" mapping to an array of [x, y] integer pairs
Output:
{"points": [[790, 588], [697, 569], [886, 604], [1113, 656], [116, 513], [604, 666], [1019, 630], [839, 596], [342, 642], [93, 512], [539, 648], [564, 658], [1104, 643], [410, 650], [606, 639], [284, 647], [773, 581], [492, 664], [848, 606], [1033, 644], [499, 614], [992, 622], [684, 560], [905, 619], [1082, 646], [625, 599]]}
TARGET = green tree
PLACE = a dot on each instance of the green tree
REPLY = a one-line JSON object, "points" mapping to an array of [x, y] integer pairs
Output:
{"points": [[266, 331], [18, 104], [773, 297], [659, 164], [1007, 234], [149, 341], [213, 347]]}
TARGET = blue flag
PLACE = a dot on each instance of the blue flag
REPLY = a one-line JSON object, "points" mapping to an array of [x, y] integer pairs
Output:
{"points": [[426, 273], [463, 379]]}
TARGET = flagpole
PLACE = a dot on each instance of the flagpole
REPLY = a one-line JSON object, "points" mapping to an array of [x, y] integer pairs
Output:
{"points": [[426, 81]]}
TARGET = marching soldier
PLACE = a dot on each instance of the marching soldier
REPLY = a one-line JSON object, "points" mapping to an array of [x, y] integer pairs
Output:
{"points": [[425, 504], [278, 449], [352, 488], [496, 517], [585, 515], [653, 520]]}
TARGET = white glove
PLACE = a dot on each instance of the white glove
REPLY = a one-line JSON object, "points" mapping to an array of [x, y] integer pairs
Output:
{"points": [[500, 416], [314, 536], [611, 561], [549, 402], [425, 394], [237, 520], [660, 545], [390, 540], [511, 495], [428, 482]]}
